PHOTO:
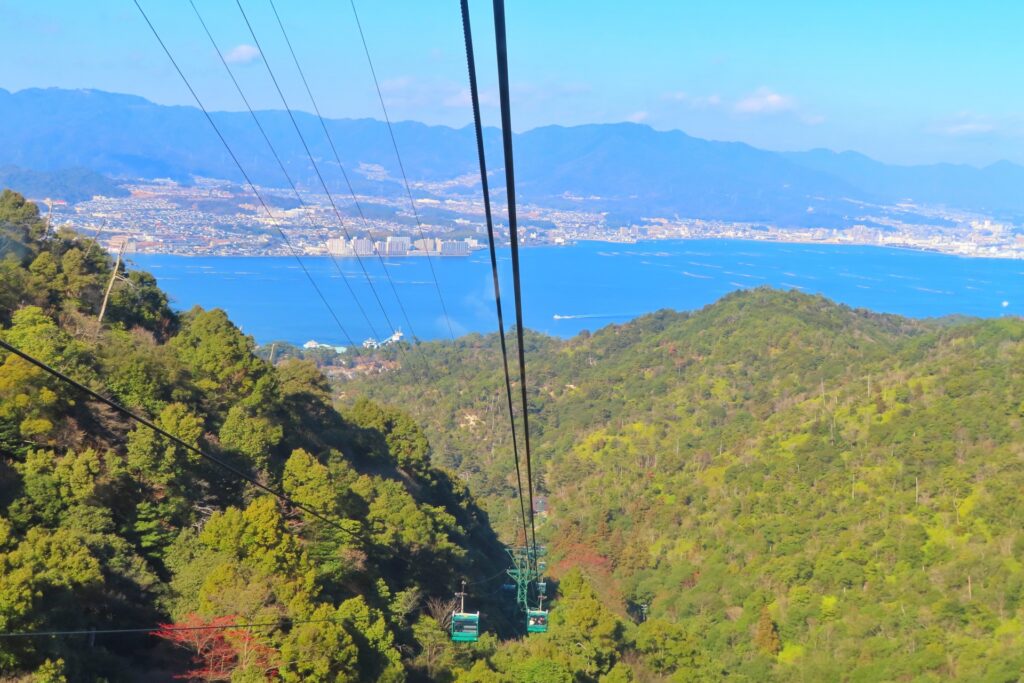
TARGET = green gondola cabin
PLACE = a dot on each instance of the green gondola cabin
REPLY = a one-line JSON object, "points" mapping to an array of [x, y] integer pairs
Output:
{"points": [[537, 621], [465, 627]]}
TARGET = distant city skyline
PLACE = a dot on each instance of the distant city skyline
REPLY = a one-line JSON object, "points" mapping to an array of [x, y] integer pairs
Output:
{"points": [[908, 83]]}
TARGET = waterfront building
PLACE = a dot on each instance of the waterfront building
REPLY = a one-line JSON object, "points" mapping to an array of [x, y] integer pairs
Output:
{"points": [[362, 246], [372, 343], [396, 245], [314, 344], [429, 245], [338, 246], [454, 248]]}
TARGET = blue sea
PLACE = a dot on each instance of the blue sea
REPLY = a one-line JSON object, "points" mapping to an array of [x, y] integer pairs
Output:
{"points": [[569, 289]]}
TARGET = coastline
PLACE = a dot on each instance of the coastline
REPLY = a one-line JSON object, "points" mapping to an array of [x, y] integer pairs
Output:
{"points": [[1011, 256]]}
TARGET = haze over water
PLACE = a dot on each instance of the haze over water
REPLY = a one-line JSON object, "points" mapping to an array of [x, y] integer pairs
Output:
{"points": [[587, 286]]}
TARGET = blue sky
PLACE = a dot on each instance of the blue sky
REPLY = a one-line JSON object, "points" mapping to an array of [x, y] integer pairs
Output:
{"points": [[905, 82]]}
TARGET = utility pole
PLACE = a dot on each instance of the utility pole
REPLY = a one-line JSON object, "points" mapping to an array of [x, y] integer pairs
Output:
{"points": [[110, 285], [273, 347], [49, 213]]}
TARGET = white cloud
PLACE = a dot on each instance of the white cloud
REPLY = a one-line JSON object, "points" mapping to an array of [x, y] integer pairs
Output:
{"points": [[765, 101], [694, 102], [463, 99], [637, 117], [242, 54], [396, 84], [966, 128], [455, 96], [968, 124]]}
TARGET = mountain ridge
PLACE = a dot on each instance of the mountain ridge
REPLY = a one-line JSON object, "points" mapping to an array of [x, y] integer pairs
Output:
{"points": [[628, 170], [69, 184]]}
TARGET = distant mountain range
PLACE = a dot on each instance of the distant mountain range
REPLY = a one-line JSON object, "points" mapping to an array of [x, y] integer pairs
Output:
{"points": [[627, 169]]}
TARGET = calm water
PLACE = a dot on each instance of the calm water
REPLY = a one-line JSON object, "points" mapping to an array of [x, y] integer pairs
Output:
{"points": [[591, 284]]}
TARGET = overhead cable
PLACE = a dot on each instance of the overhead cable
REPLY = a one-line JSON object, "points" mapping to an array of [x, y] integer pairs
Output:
{"points": [[475, 98], [287, 175], [344, 174], [227, 467], [163, 629], [401, 166], [248, 180], [513, 230], [312, 161]]}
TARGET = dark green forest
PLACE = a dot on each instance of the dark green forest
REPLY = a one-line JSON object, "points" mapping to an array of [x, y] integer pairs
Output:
{"points": [[106, 525], [774, 488]]}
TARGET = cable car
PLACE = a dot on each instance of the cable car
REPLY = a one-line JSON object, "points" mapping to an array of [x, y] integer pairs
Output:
{"points": [[466, 627], [542, 587], [537, 621]]}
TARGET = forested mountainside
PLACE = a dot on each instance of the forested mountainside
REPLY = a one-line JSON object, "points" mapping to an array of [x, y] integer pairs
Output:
{"points": [[773, 488], [106, 525], [778, 487]]}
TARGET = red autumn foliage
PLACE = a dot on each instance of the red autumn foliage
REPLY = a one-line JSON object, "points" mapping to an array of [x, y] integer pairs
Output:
{"points": [[582, 555], [217, 648]]}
